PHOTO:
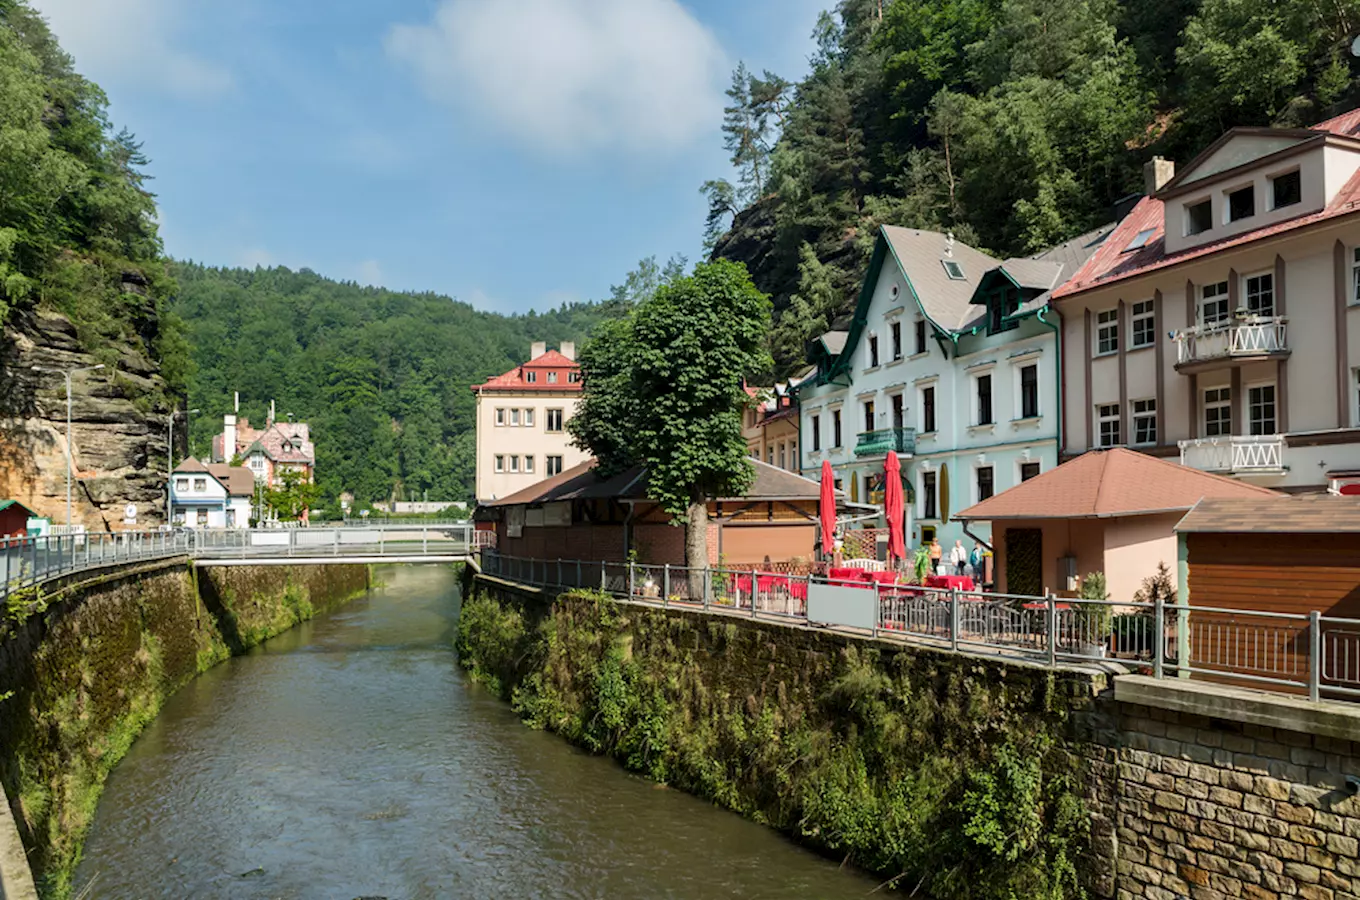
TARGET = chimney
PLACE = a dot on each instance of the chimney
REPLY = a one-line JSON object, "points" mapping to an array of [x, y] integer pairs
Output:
{"points": [[270, 423], [537, 349], [568, 350], [236, 402], [228, 438], [1156, 173]]}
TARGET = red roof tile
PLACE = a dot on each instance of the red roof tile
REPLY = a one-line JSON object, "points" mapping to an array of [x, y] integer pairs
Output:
{"points": [[1108, 483], [540, 365]]}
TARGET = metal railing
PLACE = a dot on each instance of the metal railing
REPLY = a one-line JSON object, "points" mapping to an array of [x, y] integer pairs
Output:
{"points": [[1313, 655], [886, 440], [1249, 336], [30, 561], [1236, 454]]}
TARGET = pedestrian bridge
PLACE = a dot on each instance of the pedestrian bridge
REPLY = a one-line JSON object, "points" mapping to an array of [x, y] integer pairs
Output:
{"points": [[28, 562]]}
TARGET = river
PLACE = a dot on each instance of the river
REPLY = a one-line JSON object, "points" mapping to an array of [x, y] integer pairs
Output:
{"points": [[352, 758]]}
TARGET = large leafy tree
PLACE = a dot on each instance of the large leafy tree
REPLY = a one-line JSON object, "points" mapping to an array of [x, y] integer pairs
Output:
{"points": [[663, 389]]}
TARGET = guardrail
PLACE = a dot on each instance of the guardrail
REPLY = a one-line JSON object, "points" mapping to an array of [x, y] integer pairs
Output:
{"points": [[1236, 454], [1250, 336], [27, 562], [1312, 655]]}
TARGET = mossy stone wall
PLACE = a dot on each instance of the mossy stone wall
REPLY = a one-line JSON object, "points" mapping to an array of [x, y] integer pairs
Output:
{"points": [[961, 776], [82, 671]]}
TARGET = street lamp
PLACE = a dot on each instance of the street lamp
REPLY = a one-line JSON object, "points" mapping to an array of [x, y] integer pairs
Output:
{"points": [[68, 373], [170, 456]]}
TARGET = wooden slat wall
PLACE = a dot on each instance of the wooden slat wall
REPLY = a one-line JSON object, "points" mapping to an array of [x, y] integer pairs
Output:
{"points": [[1294, 573]]}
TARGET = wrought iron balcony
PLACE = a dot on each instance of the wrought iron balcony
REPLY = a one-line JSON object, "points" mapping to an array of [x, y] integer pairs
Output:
{"points": [[1237, 455], [886, 440], [1249, 336]]}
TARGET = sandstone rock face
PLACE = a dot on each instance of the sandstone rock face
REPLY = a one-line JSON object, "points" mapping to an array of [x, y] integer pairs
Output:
{"points": [[118, 438]]}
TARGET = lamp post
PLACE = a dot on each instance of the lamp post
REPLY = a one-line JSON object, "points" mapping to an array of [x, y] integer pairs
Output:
{"points": [[170, 457], [67, 373]]}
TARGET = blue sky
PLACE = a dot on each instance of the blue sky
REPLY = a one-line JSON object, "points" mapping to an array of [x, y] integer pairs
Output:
{"points": [[512, 153]]}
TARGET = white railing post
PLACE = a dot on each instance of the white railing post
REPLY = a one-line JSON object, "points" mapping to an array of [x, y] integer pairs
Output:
{"points": [[954, 619], [631, 580], [1314, 655], [1159, 635], [666, 586], [1052, 610]]}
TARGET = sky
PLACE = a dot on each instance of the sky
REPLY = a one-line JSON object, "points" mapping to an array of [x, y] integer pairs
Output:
{"points": [[514, 154]]}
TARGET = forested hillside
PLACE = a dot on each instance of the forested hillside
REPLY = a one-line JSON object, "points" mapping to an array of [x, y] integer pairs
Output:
{"points": [[383, 377], [1014, 123]]}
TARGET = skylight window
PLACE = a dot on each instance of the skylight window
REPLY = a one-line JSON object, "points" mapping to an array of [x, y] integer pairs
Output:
{"points": [[953, 269], [1140, 239]]}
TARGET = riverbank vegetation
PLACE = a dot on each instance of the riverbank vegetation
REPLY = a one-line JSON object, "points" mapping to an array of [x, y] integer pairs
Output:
{"points": [[947, 776]]}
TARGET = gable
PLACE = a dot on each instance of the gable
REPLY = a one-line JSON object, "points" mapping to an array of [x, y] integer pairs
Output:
{"points": [[1239, 149]]}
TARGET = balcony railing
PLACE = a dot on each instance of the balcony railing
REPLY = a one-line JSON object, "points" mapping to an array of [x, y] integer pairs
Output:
{"points": [[1249, 336], [1238, 455], [886, 440]]}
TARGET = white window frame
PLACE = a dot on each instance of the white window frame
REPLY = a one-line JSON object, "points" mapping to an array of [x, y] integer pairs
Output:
{"points": [[531, 377], [561, 421], [1144, 311], [1355, 276], [552, 378], [1020, 469], [1107, 332], [869, 409], [1276, 177], [1225, 299], [837, 424], [200, 485], [1185, 212], [895, 338], [1274, 408], [181, 485], [500, 416], [1247, 292], [815, 426], [976, 392], [1019, 392], [528, 418], [514, 418], [1217, 398], [920, 337], [1108, 414], [1227, 203], [553, 465], [871, 351], [922, 493], [934, 407], [529, 464], [514, 463], [500, 462], [1143, 411]]}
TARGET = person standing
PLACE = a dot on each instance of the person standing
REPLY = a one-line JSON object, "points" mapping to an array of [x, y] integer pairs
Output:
{"points": [[958, 557], [936, 552]]}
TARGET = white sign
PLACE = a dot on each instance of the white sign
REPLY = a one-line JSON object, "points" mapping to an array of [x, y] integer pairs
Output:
{"points": [[130, 514]]}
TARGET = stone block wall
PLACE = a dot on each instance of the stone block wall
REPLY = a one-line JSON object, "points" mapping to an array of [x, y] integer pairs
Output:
{"points": [[1213, 809]]}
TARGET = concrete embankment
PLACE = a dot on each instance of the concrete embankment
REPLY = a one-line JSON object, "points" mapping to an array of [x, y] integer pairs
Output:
{"points": [[86, 665]]}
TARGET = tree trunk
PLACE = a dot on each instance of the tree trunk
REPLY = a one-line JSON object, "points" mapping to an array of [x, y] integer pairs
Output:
{"points": [[696, 547]]}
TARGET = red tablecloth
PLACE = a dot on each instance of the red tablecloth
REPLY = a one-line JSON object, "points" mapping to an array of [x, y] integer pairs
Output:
{"points": [[1060, 607], [950, 582], [848, 574]]}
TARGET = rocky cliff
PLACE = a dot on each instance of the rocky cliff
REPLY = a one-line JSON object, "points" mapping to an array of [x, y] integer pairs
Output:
{"points": [[118, 430]]}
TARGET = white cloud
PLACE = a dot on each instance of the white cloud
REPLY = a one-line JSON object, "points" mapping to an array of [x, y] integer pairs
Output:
{"points": [[572, 75], [370, 273], [135, 39]]}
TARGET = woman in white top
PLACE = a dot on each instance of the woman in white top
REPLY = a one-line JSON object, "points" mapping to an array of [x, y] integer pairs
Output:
{"points": [[958, 557]]}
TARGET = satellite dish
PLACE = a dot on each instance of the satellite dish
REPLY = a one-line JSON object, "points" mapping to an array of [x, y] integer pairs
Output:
{"points": [[1355, 47]]}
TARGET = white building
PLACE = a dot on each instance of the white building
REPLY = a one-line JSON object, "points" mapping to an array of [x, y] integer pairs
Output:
{"points": [[950, 362], [522, 420], [212, 496]]}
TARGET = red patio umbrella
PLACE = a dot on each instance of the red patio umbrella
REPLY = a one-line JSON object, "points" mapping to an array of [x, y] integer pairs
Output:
{"points": [[827, 509], [892, 507]]}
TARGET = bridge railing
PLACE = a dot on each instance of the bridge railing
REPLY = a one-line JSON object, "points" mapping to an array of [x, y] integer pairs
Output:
{"points": [[26, 562]]}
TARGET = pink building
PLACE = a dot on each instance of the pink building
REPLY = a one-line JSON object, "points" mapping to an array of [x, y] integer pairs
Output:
{"points": [[269, 452]]}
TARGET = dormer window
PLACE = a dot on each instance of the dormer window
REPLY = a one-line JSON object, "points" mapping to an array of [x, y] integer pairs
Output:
{"points": [[1242, 203], [1199, 217], [1286, 189], [531, 377], [953, 269]]}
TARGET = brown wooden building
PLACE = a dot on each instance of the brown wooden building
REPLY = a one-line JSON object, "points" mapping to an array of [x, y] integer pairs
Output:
{"points": [[14, 518], [578, 515]]}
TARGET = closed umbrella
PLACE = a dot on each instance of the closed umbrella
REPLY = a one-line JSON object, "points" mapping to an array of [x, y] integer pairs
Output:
{"points": [[827, 509], [893, 509]]}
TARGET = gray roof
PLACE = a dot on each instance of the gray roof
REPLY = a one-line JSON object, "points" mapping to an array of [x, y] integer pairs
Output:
{"points": [[1034, 274], [1070, 256], [834, 341], [922, 254]]}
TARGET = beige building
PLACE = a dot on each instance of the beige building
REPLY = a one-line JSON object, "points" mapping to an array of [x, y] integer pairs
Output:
{"points": [[521, 423], [1218, 324], [770, 425]]}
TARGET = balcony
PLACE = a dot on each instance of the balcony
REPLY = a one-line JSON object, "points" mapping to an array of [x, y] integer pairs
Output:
{"points": [[885, 441], [1238, 455], [1250, 337]]}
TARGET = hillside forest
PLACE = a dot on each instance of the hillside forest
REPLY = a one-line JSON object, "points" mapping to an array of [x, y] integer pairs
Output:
{"points": [[1015, 124]]}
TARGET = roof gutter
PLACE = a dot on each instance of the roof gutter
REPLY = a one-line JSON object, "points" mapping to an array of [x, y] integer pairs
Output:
{"points": [[977, 539], [1058, 373]]}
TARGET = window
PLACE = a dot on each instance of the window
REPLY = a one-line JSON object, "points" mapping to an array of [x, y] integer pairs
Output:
{"points": [[868, 415], [1213, 303], [1199, 217], [1140, 239], [985, 483], [528, 418], [1107, 332], [1217, 412], [1108, 417], [1028, 470], [514, 464], [984, 400], [769, 454], [573, 376], [514, 417], [873, 351], [529, 464], [202, 517], [928, 410], [181, 485], [1357, 394], [897, 411], [896, 330], [816, 434], [1143, 324], [554, 421], [1286, 189], [1260, 294], [1029, 391], [928, 495], [1242, 203], [953, 269], [500, 416], [257, 463], [835, 428], [783, 459], [554, 464], [200, 485], [1261, 409], [793, 455], [531, 377], [921, 326], [1145, 421], [1355, 275], [552, 378], [500, 463]]}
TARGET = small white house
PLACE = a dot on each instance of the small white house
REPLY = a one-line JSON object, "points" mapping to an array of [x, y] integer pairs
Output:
{"points": [[216, 496]]}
